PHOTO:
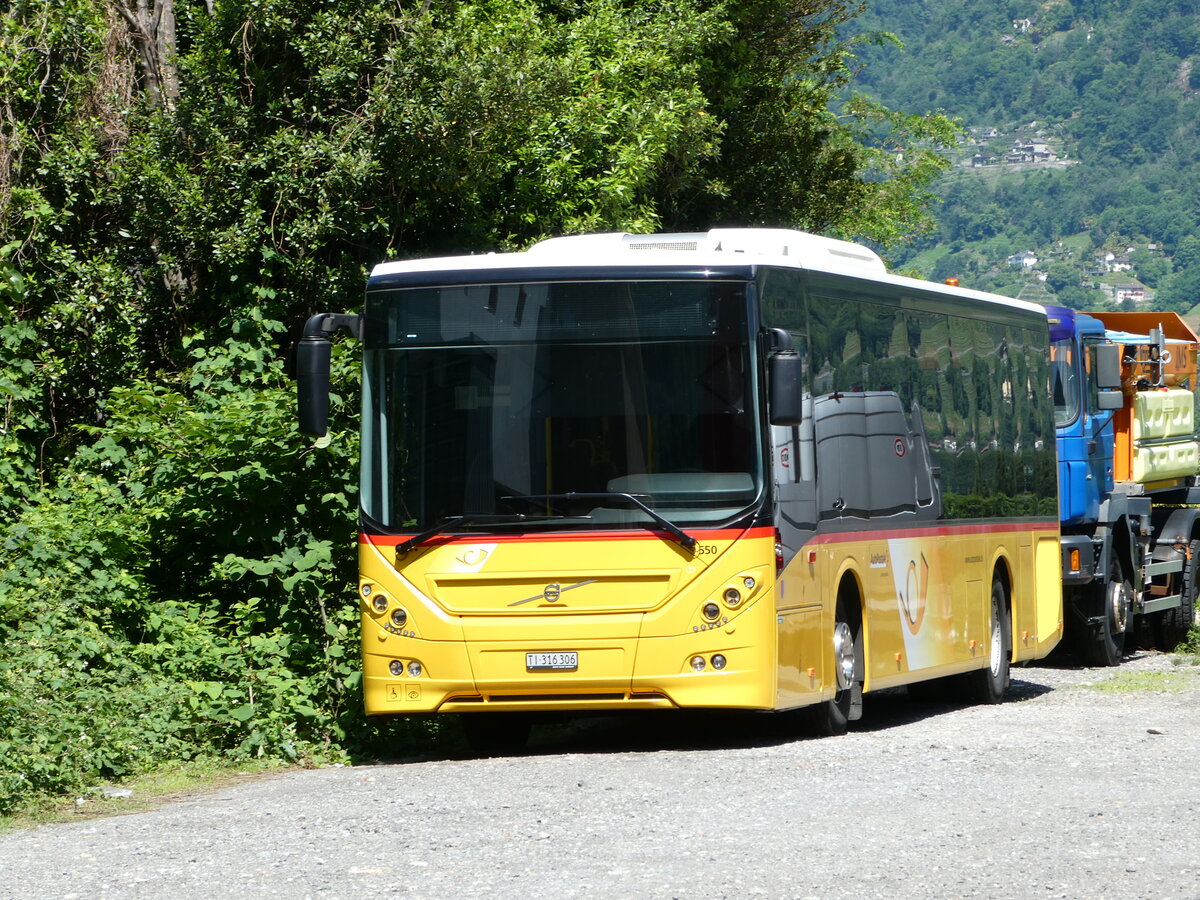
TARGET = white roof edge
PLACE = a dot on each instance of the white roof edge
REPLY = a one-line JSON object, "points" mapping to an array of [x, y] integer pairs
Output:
{"points": [[799, 247], [965, 292], [719, 246]]}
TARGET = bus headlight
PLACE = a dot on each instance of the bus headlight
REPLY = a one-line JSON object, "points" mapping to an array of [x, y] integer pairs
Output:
{"points": [[380, 603], [718, 661], [414, 669], [698, 663], [399, 617], [711, 611], [396, 667], [732, 597]]}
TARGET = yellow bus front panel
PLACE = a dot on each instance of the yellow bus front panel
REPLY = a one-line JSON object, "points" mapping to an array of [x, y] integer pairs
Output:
{"points": [[614, 620]]}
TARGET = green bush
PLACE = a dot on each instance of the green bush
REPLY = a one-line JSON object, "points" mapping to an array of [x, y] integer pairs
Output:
{"points": [[1191, 643], [186, 589]]}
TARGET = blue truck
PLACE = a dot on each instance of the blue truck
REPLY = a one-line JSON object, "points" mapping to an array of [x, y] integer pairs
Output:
{"points": [[1124, 389]]}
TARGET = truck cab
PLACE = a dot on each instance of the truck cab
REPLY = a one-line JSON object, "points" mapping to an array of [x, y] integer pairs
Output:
{"points": [[1084, 432], [1124, 395]]}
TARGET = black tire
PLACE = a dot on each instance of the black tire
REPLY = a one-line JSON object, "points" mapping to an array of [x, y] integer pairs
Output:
{"points": [[990, 685], [496, 734], [1176, 623], [831, 718], [1110, 602]]}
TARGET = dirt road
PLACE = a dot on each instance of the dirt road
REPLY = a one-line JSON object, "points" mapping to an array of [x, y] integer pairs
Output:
{"points": [[1084, 785]]}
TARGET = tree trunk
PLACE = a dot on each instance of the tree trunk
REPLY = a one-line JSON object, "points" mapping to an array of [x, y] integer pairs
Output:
{"points": [[152, 28]]}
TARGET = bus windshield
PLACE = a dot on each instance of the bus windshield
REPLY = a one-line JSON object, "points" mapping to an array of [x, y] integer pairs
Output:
{"points": [[569, 404]]}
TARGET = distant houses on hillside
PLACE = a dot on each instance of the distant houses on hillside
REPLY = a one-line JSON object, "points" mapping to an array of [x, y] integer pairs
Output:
{"points": [[1129, 293], [1107, 261], [1024, 150], [1111, 272], [1029, 151]]}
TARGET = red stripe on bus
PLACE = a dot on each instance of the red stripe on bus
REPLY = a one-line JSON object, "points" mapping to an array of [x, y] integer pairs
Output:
{"points": [[934, 531], [700, 534], [717, 534]]}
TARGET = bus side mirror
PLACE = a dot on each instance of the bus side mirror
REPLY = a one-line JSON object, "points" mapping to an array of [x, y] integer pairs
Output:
{"points": [[312, 385], [785, 377], [1108, 366], [312, 369]]}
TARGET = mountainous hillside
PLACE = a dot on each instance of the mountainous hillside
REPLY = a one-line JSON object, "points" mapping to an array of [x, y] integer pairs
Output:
{"points": [[1078, 179]]}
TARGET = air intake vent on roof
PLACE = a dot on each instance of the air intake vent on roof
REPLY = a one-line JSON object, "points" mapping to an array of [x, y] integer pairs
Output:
{"points": [[868, 258], [663, 245]]}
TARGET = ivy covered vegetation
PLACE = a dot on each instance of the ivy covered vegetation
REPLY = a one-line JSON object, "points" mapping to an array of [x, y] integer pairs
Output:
{"points": [[183, 181]]}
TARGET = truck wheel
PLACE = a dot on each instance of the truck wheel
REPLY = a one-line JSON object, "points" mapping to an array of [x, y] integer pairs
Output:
{"points": [[1176, 623], [991, 684], [1110, 605]]}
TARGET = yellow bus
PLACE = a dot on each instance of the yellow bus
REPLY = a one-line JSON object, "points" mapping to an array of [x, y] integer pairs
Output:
{"points": [[742, 469]]}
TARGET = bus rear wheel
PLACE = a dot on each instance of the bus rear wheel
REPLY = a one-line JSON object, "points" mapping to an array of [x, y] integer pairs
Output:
{"points": [[991, 684]]}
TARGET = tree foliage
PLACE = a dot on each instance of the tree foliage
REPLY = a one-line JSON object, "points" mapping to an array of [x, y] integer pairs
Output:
{"points": [[183, 181]]}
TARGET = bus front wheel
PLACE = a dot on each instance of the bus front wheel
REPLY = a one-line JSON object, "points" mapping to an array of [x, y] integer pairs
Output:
{"points": [[832, 717]]}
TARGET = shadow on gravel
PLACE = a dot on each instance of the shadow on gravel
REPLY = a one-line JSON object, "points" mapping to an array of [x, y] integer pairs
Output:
{"points": [[1066, 658], [651, 732], [683, 730], [631, 732]]}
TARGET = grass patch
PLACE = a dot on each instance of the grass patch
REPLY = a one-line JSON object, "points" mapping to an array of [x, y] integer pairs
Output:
{"points": [[921, 265], [1188, 651], [149, 792], [1118, 279], [1145, 683], [1078, 243]]}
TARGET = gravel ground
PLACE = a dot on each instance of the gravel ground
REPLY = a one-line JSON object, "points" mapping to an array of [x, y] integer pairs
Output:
{"points": [[1066, 791]]}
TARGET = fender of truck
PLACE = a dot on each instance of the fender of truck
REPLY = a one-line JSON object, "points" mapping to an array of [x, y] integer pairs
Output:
{"points": [[1124, 522], [1175, 526]]}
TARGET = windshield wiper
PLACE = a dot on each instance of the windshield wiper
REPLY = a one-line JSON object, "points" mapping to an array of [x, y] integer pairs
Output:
{"points": [[667, 525], [474, 518]]}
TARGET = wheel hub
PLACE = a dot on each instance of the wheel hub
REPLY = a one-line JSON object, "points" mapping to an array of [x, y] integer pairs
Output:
{"points": [[1118, 605], [996, 656], [843, 655]]}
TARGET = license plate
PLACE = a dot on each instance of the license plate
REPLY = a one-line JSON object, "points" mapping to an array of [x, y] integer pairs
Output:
{"points": [[562, 661]]}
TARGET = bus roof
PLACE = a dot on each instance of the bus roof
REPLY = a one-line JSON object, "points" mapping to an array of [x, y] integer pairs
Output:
{"points": [[721, 250]]}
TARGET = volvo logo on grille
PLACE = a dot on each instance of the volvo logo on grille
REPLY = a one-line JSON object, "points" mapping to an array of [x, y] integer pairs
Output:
{"points": [[552, 592]]}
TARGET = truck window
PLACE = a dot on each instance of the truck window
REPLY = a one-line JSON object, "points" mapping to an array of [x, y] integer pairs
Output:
{"points": [[1064, 380]]}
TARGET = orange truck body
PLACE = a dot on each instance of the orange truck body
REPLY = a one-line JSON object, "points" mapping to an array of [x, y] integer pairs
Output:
{"points": [[1155, 429]]}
